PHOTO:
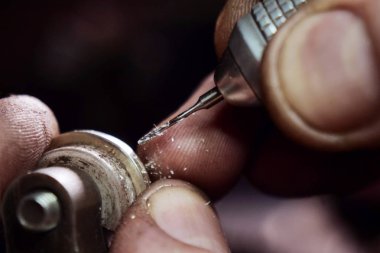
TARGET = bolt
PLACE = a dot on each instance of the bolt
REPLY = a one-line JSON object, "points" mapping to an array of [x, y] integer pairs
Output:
{"points": [[39, 211]]}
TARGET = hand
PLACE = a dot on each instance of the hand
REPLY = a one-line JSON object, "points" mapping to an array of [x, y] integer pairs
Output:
{"points": [[212, 148], [325, 73], [342, 101], [26, 129]]}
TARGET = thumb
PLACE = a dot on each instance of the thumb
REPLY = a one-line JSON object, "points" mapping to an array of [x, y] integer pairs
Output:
{"points": [[172, 216], [321, 78]]}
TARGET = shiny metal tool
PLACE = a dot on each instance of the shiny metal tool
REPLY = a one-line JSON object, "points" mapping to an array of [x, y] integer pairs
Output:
{"points": [[238, 74], [83, 184]]}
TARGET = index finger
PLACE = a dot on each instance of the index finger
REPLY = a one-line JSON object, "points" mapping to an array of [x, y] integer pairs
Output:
{"points": [[209, 149], [26, 129]]}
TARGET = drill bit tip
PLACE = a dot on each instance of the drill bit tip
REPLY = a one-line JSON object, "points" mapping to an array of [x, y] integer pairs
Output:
{"points": [[157, 131], [205, 101]]}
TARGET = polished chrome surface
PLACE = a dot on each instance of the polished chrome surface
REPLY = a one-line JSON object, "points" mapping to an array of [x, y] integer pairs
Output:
{"points": [[231, 83], [247, 45]]}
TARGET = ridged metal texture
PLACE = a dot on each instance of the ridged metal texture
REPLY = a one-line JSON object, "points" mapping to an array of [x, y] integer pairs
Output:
{"points": [[271, 14]]}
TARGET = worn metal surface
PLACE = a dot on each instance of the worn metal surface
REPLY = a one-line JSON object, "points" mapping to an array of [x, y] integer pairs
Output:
{"points": [[115, 168], [86, 181]]}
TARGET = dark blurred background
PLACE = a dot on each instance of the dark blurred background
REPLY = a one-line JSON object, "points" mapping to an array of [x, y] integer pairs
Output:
{"points": [[114, 66]]}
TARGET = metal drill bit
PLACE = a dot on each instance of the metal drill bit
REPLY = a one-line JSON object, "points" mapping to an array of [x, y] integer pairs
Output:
{"points": [[205, 101]]}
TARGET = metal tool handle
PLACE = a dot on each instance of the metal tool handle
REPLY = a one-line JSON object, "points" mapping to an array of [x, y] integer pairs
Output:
{"points": [[238, 75]]}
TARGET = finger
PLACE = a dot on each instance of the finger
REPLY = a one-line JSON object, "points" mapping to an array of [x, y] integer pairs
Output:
{"points": [[285, 168], [321, 78], [327, 109], [172, 216], [26, 128], [209, 149], [232, 11]]}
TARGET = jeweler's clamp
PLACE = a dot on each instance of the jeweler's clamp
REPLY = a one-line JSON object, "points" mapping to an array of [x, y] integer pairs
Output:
{"points": [[84, 183], [238, 74]]}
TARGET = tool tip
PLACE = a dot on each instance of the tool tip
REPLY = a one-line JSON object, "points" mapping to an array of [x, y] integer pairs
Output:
{"points": [[205, 101], [155, 132], [159, 130]]}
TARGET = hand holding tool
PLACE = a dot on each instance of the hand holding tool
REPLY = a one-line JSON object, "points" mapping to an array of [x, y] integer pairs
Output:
{"points": [[237, 77]]}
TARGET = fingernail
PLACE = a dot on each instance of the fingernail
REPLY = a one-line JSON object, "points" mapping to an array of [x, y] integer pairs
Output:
{"points": [[328, 72], [186, 216]]}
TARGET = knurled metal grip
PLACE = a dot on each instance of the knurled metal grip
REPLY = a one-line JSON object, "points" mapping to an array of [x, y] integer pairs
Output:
{"points": [[271, 14], [238, 74]]}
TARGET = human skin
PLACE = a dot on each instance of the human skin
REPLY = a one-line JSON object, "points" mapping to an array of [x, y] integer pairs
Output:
{"points": [[334, 92], [320, 96]]}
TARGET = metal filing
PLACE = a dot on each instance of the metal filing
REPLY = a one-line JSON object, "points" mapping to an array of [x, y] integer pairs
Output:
{"points": [[238, 74]]}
